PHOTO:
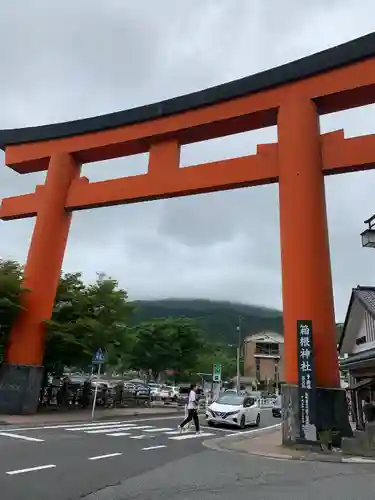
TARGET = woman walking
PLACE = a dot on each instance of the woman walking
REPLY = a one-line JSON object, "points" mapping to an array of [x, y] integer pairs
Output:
{"points": [[192, 407]]}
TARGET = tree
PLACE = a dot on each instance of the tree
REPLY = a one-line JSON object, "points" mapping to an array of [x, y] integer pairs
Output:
{"points": [[166, 343], [84, 319], [10, 291], [217, 354]]}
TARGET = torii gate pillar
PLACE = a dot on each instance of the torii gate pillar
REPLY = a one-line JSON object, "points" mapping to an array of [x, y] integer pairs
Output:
{"points": [[306, 266]]}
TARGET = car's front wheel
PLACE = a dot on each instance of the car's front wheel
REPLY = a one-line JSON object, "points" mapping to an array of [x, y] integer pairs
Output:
{"points": [[243, 422], [257, 421], [210, 423]]}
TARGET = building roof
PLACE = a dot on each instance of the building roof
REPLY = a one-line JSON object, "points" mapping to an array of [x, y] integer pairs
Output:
{"points": [[267, 337], [362, 299], [342, 55], [358, 360]]}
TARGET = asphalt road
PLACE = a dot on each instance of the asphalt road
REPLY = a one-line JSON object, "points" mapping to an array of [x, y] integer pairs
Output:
{"points": [[70, 462]]}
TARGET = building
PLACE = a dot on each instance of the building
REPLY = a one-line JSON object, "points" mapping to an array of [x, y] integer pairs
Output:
{"points": [[357, 348], [263, 359]]}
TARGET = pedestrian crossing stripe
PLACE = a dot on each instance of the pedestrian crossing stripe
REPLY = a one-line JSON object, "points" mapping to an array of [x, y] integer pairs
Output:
{"points": [[118, 434], [90, 427], [164, 429], [192, 436], [115, 429]]}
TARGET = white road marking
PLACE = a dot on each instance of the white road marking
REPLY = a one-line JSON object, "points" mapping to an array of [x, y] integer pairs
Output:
{"points": [[252, 431], [141, 436], [118, 434], [357, 460], [162, 429], [93, 427], [192, 436], [105, 430], [32, 469], [99, 457], [17, 436], [154, 447], [216, 428]]}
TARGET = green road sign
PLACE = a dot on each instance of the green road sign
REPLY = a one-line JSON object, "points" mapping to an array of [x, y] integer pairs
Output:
{"points": [[216, 373]]}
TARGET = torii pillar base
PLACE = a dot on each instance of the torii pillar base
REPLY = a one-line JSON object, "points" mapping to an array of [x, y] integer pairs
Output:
{"points": [[19, 388], [330, 413]]}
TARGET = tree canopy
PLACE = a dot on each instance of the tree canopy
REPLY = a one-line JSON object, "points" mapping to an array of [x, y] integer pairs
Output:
{"points": [[86, 317], [166, 344], [10, 288]]}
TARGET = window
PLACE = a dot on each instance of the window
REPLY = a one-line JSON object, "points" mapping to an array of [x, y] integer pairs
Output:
{"points": [[257, 368], [267, 349], [361, 340]]}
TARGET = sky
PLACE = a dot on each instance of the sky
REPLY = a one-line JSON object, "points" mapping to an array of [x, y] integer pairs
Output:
{"points": [[74, 59]]}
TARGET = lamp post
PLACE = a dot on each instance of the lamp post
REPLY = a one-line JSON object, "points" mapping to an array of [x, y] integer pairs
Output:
{"points": [[368, 235]]}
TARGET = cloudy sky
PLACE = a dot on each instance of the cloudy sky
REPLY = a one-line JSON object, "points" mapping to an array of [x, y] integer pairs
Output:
{"points": [[78, 58]]}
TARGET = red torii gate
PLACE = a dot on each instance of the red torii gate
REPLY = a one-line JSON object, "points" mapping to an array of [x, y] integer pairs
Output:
{"points": [[292, 97]]}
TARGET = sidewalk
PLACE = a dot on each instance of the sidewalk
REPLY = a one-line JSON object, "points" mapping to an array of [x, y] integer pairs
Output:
{"points": [[268, 444], [55, 416]]}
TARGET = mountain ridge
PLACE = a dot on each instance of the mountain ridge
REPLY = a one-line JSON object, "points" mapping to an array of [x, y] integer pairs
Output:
{"points": [[218, 319]]}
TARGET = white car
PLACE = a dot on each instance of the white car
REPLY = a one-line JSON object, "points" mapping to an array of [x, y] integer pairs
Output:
{"points": [[231, 409]]}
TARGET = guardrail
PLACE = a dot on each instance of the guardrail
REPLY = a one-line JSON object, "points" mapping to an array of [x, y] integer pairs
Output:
{"points": [[266, 402]]}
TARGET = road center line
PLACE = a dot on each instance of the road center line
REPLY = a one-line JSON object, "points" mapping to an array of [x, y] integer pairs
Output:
{"points": [[99, 457], [31, 469], [18, 436], [154, 447]]}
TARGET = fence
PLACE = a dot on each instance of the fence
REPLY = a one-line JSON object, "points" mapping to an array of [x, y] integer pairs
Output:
{"points": [[266, 402]]}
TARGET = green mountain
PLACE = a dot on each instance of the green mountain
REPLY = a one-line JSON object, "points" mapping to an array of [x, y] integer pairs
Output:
{"points": [[218, 320]]}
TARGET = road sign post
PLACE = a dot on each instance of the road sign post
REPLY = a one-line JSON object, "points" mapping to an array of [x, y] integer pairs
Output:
{"points": [[98, 359], [216, 373]]}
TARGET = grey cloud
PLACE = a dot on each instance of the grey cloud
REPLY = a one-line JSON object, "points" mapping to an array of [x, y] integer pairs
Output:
{"points": [[73, 59]]}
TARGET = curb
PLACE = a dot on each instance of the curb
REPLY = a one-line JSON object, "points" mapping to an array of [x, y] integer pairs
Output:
{"points": [[219, 444]]}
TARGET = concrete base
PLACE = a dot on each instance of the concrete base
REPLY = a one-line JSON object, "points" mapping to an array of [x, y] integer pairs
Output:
{"points": [[362, 443], [19, 388], [330, 413]]}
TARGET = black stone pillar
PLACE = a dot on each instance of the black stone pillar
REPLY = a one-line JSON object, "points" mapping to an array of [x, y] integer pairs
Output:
{"points": [[330, 412], [20, 388]]}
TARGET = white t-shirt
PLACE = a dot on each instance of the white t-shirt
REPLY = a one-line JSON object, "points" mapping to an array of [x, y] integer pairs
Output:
{"points": [[192, 401]]}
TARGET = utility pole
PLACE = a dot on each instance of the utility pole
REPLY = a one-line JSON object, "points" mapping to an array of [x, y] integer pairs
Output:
{"points": [[238, 353]]}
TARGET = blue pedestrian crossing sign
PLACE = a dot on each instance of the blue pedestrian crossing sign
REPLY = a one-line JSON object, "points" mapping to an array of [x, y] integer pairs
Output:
{"points": [[99, 357]]}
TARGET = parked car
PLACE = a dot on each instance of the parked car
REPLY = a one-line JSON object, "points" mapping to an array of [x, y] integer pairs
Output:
{"points": [[137, 390], [276, 408], [231, 409], [174, 391], [183, 395], [155, 390], [166, 393]]}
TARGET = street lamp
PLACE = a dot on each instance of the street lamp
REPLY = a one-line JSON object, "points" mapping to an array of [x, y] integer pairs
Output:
{"points": [[368, 235]]}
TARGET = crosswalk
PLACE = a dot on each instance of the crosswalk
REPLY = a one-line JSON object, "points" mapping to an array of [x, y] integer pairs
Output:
{"points": [[135, 431]]}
